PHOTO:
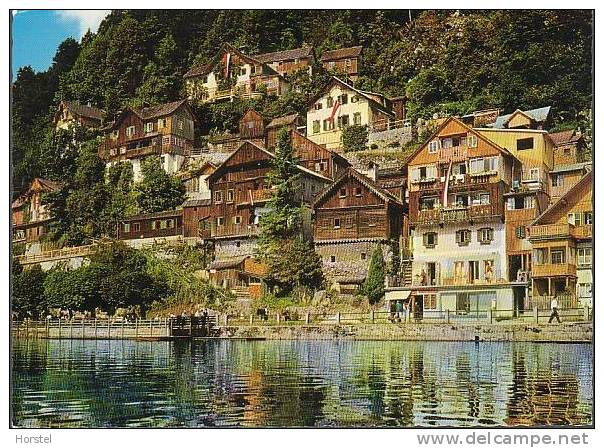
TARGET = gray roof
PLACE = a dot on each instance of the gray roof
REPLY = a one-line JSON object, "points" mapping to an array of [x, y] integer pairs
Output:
{"points": [[539, 115], [571, 167]]}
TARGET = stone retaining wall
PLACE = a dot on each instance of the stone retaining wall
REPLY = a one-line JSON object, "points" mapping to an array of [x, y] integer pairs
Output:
{"points": [[565, 332]]}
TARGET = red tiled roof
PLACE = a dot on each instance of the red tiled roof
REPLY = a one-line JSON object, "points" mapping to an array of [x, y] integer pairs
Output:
{"points": [[562, 137], [341, 53]]}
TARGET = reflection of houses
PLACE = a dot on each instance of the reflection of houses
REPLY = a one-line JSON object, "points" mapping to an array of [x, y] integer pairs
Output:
{"points": [[166, 131], [239, 195], [233, 74], [456, 182], [344, 61], [352, 216], [31, 218], [562, 249], [340, 105], [287, 62], [71, 113]]}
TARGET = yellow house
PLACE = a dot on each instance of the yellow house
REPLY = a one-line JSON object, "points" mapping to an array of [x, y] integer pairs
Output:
{"points": [[562, 249], [341, 105]]}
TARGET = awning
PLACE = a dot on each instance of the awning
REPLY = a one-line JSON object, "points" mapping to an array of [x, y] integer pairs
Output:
{"points": [[397, 295]]}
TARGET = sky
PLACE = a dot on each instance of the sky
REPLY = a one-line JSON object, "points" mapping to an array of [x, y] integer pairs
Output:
{"points": [[37, 34]]}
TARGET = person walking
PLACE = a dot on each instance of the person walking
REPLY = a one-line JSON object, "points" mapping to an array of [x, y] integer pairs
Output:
{"points": [[554, 307]]}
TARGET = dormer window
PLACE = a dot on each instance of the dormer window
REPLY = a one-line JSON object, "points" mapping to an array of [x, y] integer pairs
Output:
{"points": [[149, 127], [433, 146]]}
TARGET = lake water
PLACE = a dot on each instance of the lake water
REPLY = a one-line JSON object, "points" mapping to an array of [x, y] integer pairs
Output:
{"points": [[63, 383]]}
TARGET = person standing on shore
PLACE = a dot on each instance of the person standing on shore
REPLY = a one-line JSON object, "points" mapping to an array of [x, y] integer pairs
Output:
{"points": [[554, 306]]}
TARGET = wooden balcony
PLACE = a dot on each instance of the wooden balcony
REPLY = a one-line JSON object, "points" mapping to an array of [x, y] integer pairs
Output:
{"points": [[554, 270], [457, 214], [582, 232], [453, 154], [255, 196], [232, 230]]}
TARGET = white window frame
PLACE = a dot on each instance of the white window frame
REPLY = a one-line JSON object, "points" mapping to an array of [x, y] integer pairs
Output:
{"points": [[584, 255], [433, 146], [130, 131], [472, 141], [149, 127]]}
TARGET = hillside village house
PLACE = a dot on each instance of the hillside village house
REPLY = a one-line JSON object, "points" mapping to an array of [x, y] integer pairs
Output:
{"points": [[341, 105], [456, 184], [70, 113], [343, 61], [351, 217], [563, 249], [233, 74], [290, 123], [287, 62], [239, 194], [571, 162], [145, 230], [166, 131], [30, 217]]}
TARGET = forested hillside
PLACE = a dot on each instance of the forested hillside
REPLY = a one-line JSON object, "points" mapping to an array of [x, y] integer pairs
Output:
{"points": [[444, 61]]}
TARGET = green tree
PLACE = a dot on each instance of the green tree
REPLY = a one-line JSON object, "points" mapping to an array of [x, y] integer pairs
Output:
{"points": [[374, 283], [291, 261], [27, 291], [158, 190], [355, 137]]}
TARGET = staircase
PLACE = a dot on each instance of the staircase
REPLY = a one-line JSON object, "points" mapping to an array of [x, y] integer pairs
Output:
{"points": [[406, 274]]}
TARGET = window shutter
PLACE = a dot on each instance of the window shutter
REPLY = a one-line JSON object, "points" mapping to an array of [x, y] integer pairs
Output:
{"points": [[425, 236], [458, 236]]}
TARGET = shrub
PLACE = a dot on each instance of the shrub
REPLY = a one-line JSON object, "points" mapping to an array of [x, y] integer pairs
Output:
{"points": [[354, 138]]}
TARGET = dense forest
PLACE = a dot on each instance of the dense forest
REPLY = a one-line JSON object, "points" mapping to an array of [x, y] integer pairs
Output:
{"points": [[444, 61]]}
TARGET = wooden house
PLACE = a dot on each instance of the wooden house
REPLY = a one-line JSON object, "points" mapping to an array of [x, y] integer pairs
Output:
{"points": [[71, 113], [569, 148], [343, 61], [251, 127], [351, 217], [233, 74], [527, 119], [339, 105], [562, 244], [564, 177], [166, 130], [195, 177], [287, 62], [149, 228], [30, 217], [288, 122], [317, 158], [456, 182], [239, 196]]}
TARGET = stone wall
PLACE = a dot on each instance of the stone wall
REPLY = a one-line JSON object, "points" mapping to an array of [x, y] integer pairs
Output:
{"points": [[234, 248], [382, 138]]}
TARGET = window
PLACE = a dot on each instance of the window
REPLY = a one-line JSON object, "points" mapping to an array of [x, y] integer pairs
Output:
{"points": [[429, 301], [354, 99], [115, 134], [331, 65], [430, 239], [428, 202], [557, 180], [584, 255], [130, 131], [127, 227], [363, 255], [349, 222], [343, 121], [356, 118], [342, 192], [585, 290], [558, 256], [332, 258], [344, 98], [318, 106], [433, 146], [485, 236], [161, 123], [163, 224], [524, 143], [462, 237], [472, 141], [136, 226], [521, 232], [329, 101], [572, 219], [358, 191], [336, 223], [473, 271], [181, 125], [218, 197], [348, 62], [488, 270], [328, 125], [483, 165], [230, 197], [242, 71], [316, 126], [220, 221], [237, 219], [149, 127], [587, 218]]}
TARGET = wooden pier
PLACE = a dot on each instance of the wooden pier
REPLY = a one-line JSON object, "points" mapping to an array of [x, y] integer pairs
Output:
{"points": [[143, 329]]}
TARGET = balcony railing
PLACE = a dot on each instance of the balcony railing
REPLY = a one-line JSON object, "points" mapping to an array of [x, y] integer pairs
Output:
{"points": [[453, 154], [456, 214], [554, 270], [235, 230], [557, 231]]}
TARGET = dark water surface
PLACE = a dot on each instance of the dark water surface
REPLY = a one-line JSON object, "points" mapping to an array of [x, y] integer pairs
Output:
{"points": [[63, 383]]}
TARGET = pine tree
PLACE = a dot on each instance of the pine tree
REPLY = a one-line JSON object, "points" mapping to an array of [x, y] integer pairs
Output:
{"points": [[374, 283]]}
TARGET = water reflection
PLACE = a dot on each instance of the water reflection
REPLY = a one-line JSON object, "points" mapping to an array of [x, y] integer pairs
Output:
{"points": [[299, 383]]}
